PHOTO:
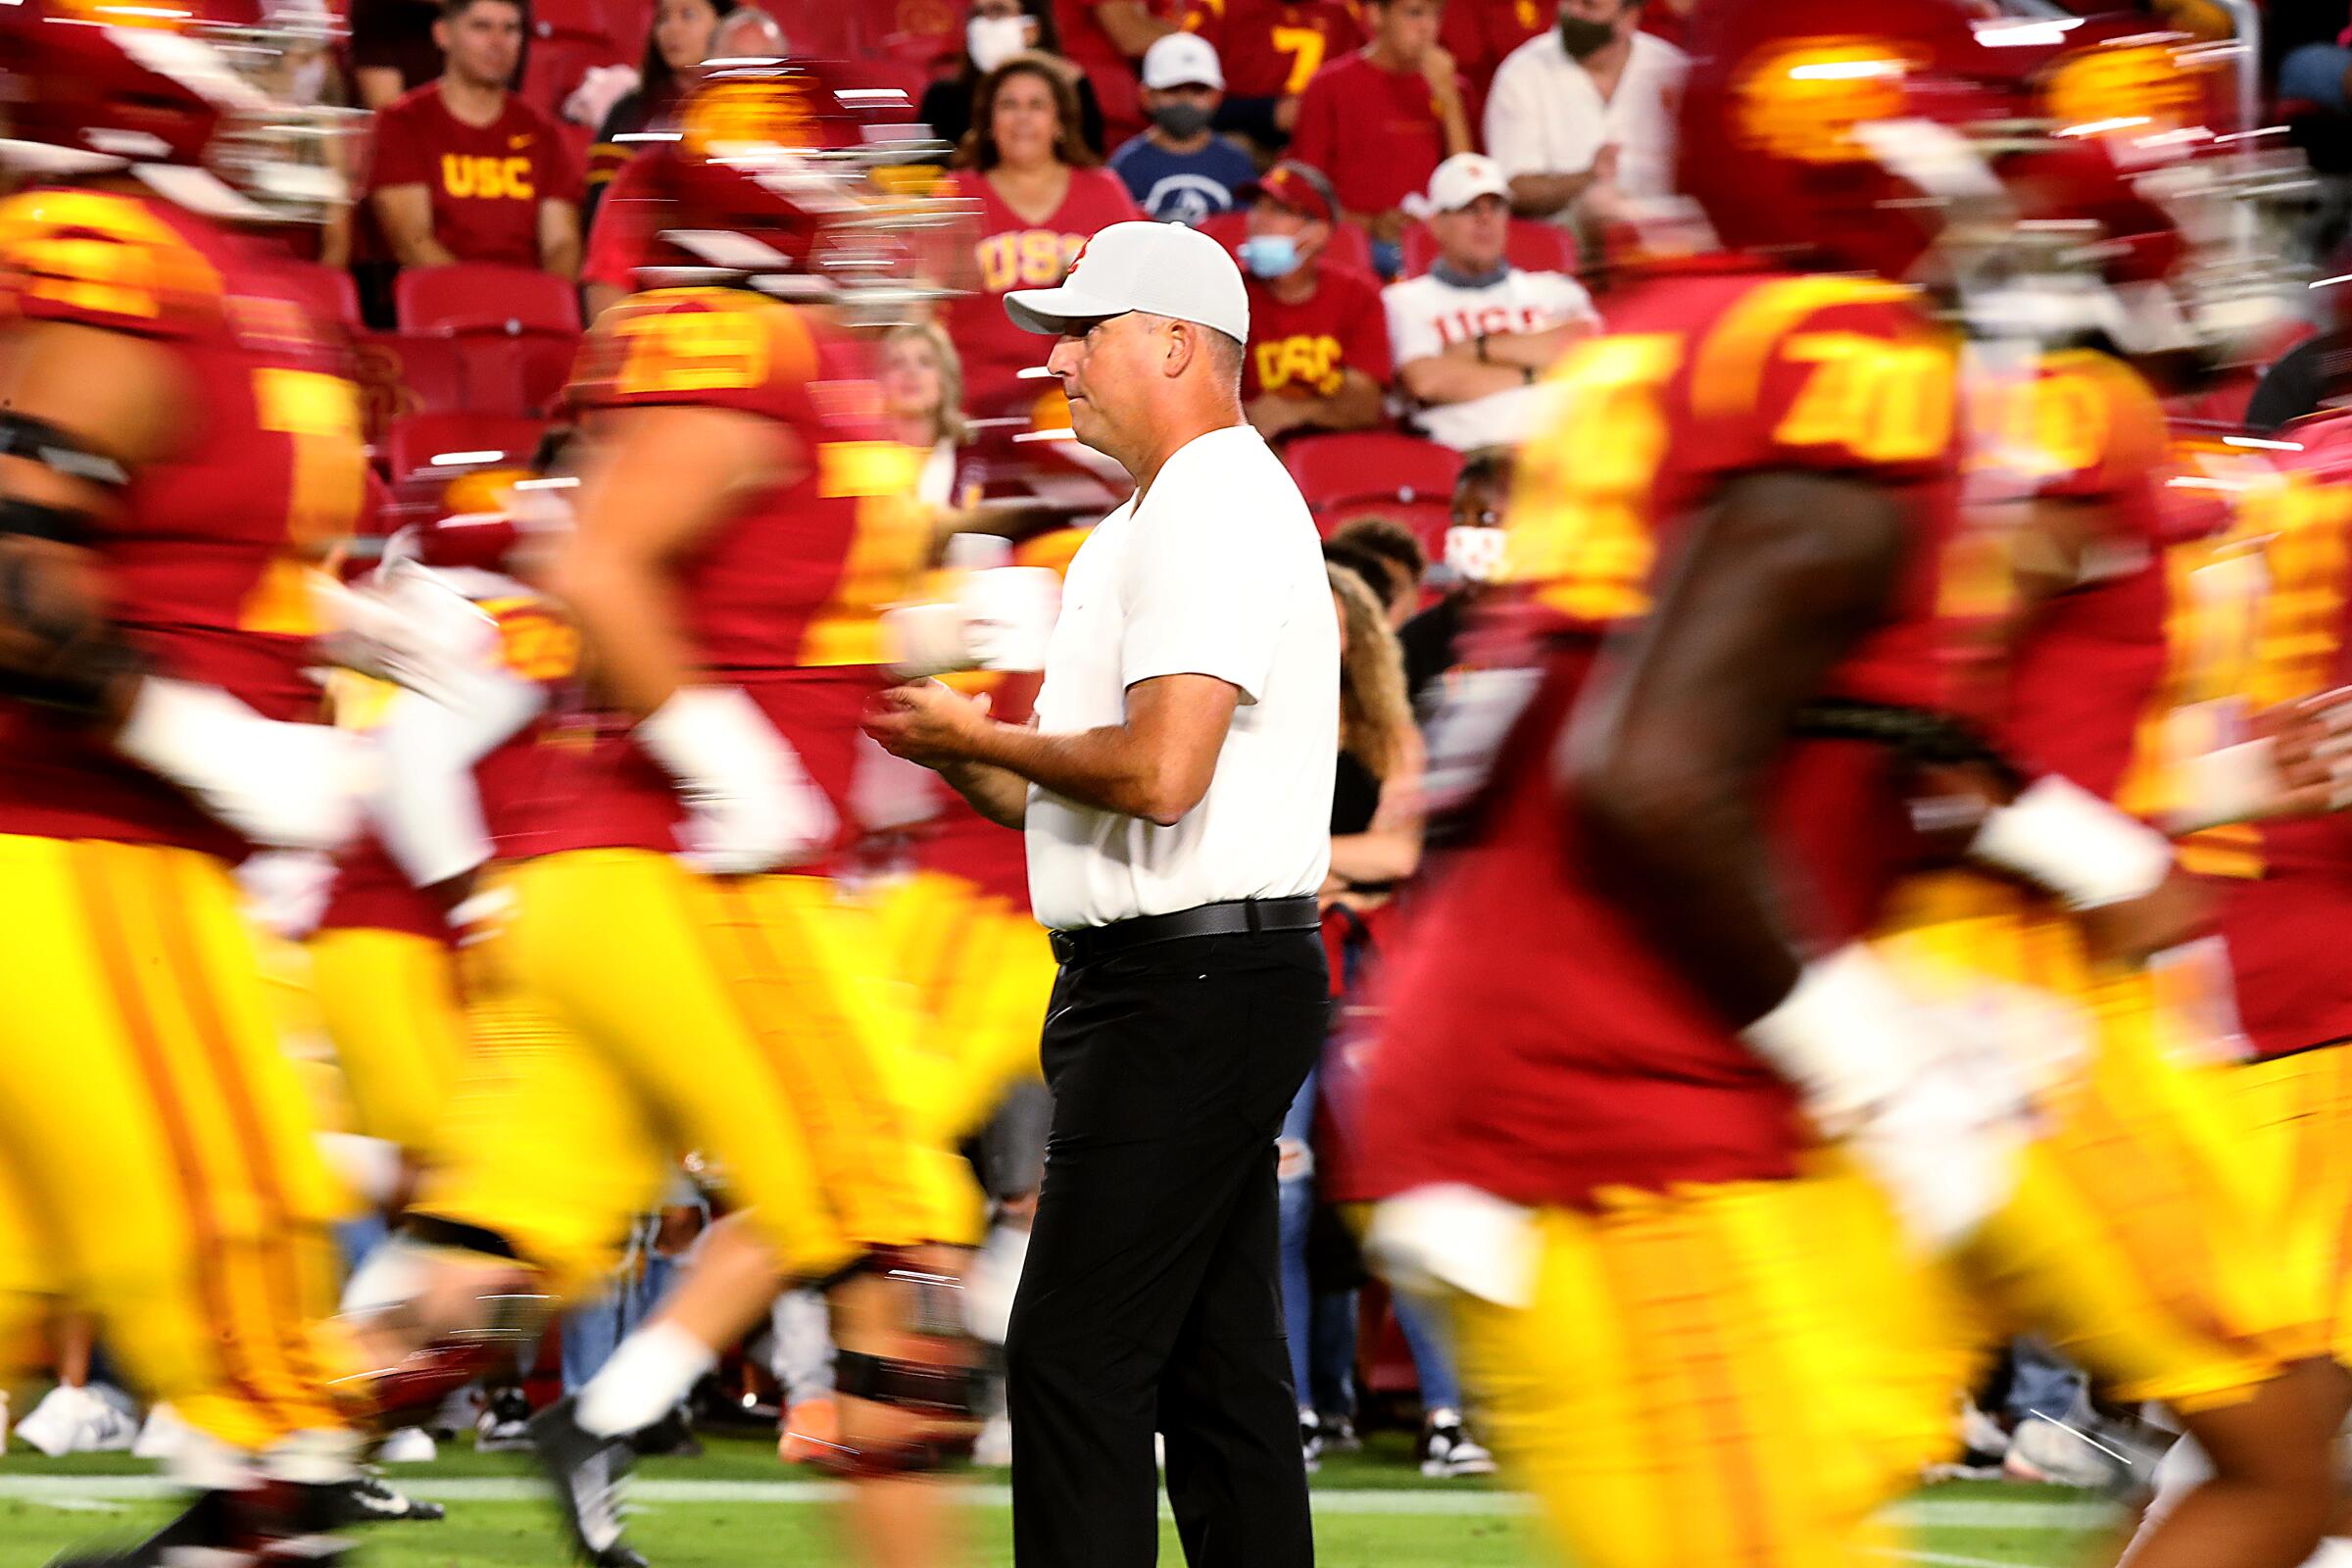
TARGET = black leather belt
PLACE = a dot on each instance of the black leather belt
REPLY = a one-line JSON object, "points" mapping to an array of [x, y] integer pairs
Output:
{"points": [[1235, 917]]}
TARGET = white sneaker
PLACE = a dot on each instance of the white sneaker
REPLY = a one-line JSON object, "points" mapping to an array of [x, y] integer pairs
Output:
{"points": [[992, 1450], [163, 1437], [408, 1446], [2055, 1454], [52, 1425], [1447, 1450], [109, 1424]]}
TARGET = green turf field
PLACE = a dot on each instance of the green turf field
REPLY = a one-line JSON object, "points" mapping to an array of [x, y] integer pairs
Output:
{"points": [[736, 1507]]}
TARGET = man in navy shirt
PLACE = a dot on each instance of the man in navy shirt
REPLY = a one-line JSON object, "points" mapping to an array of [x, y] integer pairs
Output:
{"points": [[1179, 171]]}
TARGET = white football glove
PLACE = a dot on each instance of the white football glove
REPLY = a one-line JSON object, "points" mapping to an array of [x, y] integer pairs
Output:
{"points": [[752, 807], [407, 626], [1000, 618], [280, 785]]}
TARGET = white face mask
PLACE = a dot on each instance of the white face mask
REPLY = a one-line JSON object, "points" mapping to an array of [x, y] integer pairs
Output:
{"points": [[1474, 553], [993, 40]]}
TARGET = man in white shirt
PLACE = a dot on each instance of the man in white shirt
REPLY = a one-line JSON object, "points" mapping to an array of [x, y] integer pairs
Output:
{"points": [[1176, 798], [1588, 104], [1472, 334]]}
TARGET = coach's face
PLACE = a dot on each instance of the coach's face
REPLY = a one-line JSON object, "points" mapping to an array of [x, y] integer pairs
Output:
{"points": [[1101, 370]]}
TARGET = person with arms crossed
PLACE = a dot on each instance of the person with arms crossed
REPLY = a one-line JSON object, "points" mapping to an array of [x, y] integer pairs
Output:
{"points": [[1471, 336], [465, 169], [1176, 796]]}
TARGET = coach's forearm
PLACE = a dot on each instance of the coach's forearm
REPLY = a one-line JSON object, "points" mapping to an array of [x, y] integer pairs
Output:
{"points": [[999, 795], [1109, 769]]}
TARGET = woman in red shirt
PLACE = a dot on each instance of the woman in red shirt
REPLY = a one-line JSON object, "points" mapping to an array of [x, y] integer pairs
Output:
{"points": [[1041, 197]]}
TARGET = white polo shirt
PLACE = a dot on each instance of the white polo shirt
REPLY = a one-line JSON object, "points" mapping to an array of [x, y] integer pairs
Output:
{"points": [[1545, 117], [1427, 315], [1219, 573]]}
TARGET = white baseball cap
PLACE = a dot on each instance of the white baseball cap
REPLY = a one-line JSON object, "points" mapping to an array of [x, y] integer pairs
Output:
{"points": [[1462, 179], [1182, 60], [1159, 268]]}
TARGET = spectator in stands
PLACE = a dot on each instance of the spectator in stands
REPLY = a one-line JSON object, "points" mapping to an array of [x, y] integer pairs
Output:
{"points": [[1318, 355], [1586, 105], [1272, 49], [1041, 199], [1105, 39], [1472, 334], [1482, 33], [1378, 122], [922, 391], [1482, 490], [1396, 556], [306, 77], [465, 169], [996, 32], [679, 41], [1180, 171], [392, 48]]}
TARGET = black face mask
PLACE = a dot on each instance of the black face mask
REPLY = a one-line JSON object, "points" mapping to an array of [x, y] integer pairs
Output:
{"points": [[1181, 121], [1583, 36]]}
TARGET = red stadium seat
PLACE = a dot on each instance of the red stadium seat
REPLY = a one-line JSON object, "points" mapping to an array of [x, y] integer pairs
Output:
{"points": [[328, 291], [1360, 473], [400, 376], [522, 376], [469, 297], [1532, 246], [423, 446]]}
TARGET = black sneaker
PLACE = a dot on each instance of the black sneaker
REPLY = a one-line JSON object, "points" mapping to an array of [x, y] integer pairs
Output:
{"points": [[275, 1525], [1448, 1450], [1338, 1435], [505, 1426], [670, 1437], [367, 1498], [1311, 1440], [587, 1472]]}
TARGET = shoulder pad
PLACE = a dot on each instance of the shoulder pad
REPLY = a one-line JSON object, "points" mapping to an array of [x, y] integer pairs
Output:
{"points": [[106, 261], [721, 347]]}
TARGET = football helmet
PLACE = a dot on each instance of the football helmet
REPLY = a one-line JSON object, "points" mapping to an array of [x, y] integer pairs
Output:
{"points": [[190, 97]]}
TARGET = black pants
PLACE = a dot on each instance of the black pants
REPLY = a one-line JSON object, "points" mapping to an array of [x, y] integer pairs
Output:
{"points": [[1151, 1298]]}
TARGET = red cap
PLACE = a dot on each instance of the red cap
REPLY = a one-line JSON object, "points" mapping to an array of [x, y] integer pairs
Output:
{"points": [[1301, 187]]}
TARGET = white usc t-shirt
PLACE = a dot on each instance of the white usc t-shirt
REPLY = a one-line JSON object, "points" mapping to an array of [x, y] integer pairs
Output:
{"points": [[1428, 315], [1219, 573]]}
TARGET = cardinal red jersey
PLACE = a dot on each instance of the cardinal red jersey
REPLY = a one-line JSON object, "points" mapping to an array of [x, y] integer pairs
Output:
{"points": [[1375, 132], [1090, 48], [1273, 48], [1015, 253], [485, 182], [1304, 348], [1534, 1045], [2085, 675], [1480, 34], [207, 561], [782, 598]]}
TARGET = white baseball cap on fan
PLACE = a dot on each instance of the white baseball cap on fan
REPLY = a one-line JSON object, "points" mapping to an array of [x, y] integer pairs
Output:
{"points": [[1157, 269]]}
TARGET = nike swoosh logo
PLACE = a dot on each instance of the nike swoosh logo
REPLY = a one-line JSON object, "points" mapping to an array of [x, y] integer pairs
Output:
{"points": [[524, 140]]}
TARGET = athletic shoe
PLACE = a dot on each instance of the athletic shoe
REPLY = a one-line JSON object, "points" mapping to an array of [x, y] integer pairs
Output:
{"points": [[408, 1446], [1310, 1438], [52, 1425], [367, 1498], [587, 1472], [277, 1524], [1448, 1452], [992, 1450], [505, 1426], [1338, 1435], [110, 1423], [812, 1432], [670, 1437], [162, 1435], [2063, 1453]]}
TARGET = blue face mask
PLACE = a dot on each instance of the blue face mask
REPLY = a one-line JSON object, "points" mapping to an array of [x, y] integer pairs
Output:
{"points": [[1270, 256]]}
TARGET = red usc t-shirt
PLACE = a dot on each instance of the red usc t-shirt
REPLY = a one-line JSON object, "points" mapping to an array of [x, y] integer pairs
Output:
{"points": [[1480, 34], [486, 181], [1015, 253], [1273, 48], [1303, 350], [1376, 133], [1087, 45], [1536, 1045]]}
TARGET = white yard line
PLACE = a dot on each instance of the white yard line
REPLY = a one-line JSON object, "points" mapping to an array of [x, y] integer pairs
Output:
{"points": [[1940, 1513]]}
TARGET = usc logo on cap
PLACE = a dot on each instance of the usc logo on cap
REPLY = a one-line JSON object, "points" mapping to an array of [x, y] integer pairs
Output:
{"points": [[1801, 100]]}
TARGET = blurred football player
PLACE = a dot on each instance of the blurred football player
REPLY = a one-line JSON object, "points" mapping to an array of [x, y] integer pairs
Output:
{"points": [[179, 444], [1736, 534]]}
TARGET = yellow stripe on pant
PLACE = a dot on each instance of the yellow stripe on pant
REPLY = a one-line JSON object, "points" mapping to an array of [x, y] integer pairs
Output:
{"points": [[1731, 1376], [2296, 1111], [389, 1003], [159, 1136], [983, 972], [2135, 1241]]}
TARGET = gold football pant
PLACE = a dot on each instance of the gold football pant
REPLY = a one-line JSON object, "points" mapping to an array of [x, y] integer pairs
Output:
{"points": [[2296, 1112], [2136, 1241], [983, 972], [389, 1002], [159, 1150], [1733, 1376], [743, 1020]]}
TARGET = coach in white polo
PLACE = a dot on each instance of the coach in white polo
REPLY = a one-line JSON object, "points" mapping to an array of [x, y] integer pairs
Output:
{"points": [[1176, 797]]}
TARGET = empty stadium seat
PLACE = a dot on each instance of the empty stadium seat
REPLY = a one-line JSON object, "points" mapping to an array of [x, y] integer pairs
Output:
{"points": [[425, 445], [327, 290], [479, 296], [401, 376], [520, 375], [1532, 246], [1360, 473]]}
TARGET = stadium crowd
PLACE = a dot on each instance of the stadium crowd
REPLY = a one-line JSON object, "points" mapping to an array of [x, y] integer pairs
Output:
{"points": [[1433, 204]]}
